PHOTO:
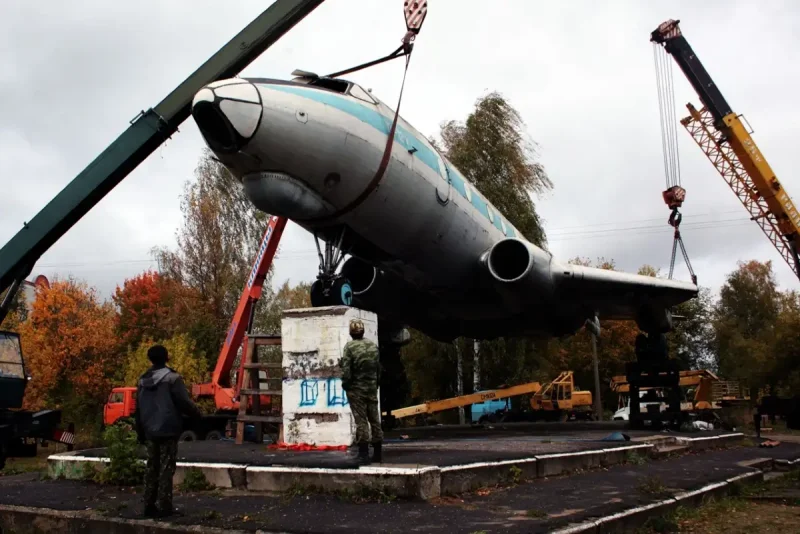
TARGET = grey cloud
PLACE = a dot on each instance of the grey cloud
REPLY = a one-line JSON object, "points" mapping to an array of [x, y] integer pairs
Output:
{"points": [[581, 74]]}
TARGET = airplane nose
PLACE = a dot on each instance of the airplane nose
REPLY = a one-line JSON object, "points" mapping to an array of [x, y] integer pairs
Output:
{"points": [[228, 113]]}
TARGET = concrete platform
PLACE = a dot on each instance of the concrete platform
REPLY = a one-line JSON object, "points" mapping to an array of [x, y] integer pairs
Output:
{"points": [[604, 500], [421, 469]]}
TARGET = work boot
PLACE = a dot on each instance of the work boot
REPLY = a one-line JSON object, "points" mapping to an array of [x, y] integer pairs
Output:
{"points": [[363, 454], [377, 456]]}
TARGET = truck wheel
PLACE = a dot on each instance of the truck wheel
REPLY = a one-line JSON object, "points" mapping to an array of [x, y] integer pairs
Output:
{"points": [[213, 435], [188, 435]]}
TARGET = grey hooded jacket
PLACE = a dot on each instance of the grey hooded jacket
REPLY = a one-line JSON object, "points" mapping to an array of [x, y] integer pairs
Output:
{"points": [[161, 400]]}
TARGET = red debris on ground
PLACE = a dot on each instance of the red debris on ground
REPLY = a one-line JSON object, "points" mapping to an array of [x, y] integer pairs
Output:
{"points": [[306, 447]]}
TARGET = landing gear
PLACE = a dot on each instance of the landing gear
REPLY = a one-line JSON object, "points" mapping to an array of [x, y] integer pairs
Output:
{"points": [[331, 289], [654, 369]]}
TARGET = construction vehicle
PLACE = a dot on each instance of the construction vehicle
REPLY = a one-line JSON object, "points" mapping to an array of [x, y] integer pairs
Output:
{"points": [[721, 135], [560, 400], [225, 394], [464, 400], [701, 381], [22, 430], [556, 400]]}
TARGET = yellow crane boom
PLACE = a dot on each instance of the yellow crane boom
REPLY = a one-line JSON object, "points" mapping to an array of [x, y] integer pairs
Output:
{"points": [[464, 400], [723, 138]]}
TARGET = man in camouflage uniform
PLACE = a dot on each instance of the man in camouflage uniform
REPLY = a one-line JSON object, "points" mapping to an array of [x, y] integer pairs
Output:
{"points": [[161, 398], [361, 370]]}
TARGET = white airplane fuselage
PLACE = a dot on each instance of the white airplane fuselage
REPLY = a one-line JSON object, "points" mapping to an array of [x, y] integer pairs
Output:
{"points": [[450, 263]]}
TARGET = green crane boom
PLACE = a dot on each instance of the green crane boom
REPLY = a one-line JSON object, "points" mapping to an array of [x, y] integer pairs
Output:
{"points": [[146, 132]]}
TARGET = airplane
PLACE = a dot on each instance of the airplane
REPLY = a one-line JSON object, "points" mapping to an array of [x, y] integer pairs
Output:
{"points": [[426, 249]]}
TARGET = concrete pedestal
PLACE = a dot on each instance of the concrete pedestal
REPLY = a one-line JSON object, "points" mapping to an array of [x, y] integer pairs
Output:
{"points": [[315, 408]]}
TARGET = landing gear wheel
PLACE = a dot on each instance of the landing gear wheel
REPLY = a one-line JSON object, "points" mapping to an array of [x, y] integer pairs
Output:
{"points": [[342, 292], [317, 294], [188, 435], [338, 293]]}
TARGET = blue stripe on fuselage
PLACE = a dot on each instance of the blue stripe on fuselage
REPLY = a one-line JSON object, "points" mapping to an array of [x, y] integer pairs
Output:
{"points": [[369, 114]]}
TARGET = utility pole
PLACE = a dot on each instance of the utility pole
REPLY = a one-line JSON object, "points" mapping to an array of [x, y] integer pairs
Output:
{"points": [[593, 325], [476, 367], [460, 382]]}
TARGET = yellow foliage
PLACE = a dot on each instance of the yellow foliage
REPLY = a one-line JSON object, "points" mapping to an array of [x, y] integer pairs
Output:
{"points": [[183, 358]]}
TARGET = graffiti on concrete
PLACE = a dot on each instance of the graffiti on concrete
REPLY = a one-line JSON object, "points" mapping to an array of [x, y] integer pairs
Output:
{"points": [[309, 392], [336, 395]]}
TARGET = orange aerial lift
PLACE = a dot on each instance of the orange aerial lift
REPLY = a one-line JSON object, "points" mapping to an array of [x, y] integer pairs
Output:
{"points": [[702, 380], [723, 138], [122, 403]]}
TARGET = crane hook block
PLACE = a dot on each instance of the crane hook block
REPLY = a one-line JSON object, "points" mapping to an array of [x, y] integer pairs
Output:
{"points": [[415, 12], [674, 196]]}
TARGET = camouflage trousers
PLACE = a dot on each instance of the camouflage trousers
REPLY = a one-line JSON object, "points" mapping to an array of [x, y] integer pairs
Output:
{"points": [[365, 413], [161, 457]]}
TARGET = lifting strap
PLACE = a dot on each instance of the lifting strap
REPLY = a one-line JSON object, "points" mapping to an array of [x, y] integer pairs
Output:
{"points": [[674, 194], [415, 12], [675, 222]]}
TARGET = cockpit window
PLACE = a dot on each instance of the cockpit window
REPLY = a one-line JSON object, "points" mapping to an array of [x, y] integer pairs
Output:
{"points": [[332, 84], [357, 92]]}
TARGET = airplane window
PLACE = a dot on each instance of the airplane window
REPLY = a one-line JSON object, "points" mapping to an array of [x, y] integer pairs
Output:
{"points": [[360, 94], [491, 214], [333, 84]]}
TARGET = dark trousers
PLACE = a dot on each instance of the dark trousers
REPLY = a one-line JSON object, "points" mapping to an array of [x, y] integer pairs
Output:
{"points": [[367, 418], [161, 457]]}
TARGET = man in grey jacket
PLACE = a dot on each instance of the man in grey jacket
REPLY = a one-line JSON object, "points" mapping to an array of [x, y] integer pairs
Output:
{"points": [[161, 400]]}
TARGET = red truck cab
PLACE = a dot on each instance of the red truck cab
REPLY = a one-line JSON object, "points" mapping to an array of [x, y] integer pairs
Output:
{"points": [[121, 403]]}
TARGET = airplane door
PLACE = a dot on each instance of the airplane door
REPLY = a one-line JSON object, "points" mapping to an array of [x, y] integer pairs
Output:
{"points": [[443, 185]]}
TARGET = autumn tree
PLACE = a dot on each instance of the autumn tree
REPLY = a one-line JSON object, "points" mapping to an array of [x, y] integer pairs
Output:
{"points": [[216, 247], [17, 311], [496, 155], [151, 306], [183, 357], [785, 375], [745, 323], [287, 297], [70, 348]]}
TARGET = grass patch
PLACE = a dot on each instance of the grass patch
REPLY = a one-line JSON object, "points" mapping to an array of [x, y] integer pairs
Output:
{"points": [[195, 480], [634, 458], [359, 494], [652, 486], [18, 466], [514, 474], [211, 515], [735, 512], [536, 514]]}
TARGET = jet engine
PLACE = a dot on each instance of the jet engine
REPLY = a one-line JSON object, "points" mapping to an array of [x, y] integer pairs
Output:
{"points": [[519, 268]]}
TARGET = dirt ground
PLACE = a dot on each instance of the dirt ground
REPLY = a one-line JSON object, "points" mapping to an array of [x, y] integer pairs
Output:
{"points": [[772, 506]]}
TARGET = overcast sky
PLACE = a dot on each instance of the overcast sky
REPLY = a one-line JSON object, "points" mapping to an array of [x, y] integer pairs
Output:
{"points": [[580, 72]]}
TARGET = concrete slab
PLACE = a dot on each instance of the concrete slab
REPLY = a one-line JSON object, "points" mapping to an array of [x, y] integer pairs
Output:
{"points": [[423, 469], [590, 501]]}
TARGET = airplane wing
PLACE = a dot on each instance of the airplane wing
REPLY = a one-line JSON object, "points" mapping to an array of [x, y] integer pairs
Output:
{"points": [[616, 295]]}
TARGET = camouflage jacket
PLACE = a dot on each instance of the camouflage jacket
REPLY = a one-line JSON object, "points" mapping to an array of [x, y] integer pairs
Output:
{"points": [[361, 368]]}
